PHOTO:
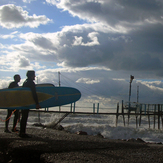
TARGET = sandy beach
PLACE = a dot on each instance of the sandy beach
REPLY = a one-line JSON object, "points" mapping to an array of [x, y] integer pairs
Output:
{"points": [[49, 145]]}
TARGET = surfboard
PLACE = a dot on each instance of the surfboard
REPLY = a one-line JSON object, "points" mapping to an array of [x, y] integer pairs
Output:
{"points": [[48, 96], [45, 85]]}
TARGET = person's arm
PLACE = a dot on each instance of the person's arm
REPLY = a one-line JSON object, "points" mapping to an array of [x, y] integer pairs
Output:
{"points": [[32, 86], [33, 89]]}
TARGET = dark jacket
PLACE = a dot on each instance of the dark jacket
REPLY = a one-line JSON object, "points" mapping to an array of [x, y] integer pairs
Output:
{"points": [[29, 83], [13, 84]]}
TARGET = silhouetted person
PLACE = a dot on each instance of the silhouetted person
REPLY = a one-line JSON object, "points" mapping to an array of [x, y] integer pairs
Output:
{"points": [[28, 83], [9, 111]]}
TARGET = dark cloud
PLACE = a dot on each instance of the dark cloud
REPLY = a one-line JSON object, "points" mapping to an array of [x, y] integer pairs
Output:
{"points": [[136, 43], [115, 51], [43, 43], [11, 14], [23, 62], [115, 12]]}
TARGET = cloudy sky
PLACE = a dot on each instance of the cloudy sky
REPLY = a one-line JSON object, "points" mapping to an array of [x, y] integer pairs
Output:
{"points": [[95, 44]]}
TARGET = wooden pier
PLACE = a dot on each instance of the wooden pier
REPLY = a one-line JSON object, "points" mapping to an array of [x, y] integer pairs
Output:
{"points": [[150, 111]]}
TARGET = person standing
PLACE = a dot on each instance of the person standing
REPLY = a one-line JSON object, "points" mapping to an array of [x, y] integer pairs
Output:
{"points": [[9, 111], [29, 82]]}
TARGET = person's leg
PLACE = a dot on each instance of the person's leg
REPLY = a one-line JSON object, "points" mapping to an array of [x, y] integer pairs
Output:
{"points": [[16, 117], [9, 112], [23, 122]]}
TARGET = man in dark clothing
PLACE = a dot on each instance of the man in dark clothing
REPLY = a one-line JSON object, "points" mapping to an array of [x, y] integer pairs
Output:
{"points": [[28, 83], [13, 85]]}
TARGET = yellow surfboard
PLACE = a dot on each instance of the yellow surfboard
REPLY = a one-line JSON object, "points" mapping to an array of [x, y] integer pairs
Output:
{"points": [[20, 98]]}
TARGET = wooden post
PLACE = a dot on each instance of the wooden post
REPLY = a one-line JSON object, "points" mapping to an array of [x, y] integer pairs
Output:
{"points": [[59, 86], [123, 114], [154, 116], [140, 114], [145, 108], [136, 116], [117, 114], [158, 116], [39, 117], [128, 115], [74, 108], [97, 108], [148, 116], [71, 108], [136, 120], [161, 117], [93, 107]]}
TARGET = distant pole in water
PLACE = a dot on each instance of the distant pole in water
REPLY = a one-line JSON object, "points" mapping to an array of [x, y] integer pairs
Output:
{"points": [[38, 111], [93, 107], [74, 108], [59, 81], [131, 79], [137, 94], [97, 108]]}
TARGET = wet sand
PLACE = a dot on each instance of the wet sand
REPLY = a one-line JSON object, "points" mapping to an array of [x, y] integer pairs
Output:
{"points": [[54, 146]]}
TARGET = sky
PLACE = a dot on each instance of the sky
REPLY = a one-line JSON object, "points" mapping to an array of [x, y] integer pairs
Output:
{"points": [[95, 45]]}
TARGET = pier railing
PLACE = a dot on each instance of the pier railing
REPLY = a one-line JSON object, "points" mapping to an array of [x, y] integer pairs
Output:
{"points": [[154, 111]]}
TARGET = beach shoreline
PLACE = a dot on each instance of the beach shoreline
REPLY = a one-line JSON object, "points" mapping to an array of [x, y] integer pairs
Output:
{"points": [[50, 145]]}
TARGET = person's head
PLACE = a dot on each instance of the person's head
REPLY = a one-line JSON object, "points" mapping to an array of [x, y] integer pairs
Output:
{"points": [[31, 74], [17, 78]]}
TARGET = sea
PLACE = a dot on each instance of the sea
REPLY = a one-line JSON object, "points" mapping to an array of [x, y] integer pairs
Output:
{"points": [[94, 124]]}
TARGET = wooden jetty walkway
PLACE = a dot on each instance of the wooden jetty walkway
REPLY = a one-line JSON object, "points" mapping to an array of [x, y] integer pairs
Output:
{"points": [[154, 111], [151, 111]]}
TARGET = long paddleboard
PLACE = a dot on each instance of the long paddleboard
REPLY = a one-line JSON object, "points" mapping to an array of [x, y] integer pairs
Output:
{"points": [[48, 96]]}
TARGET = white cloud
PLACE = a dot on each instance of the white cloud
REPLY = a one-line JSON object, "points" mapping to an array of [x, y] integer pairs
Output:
{"points": [[54, 2], [92, 36], [77, 41], [28, 1], [11, 35], [154, 85], [87, 81], [118, 79], [4, 83], [14, 62], [12, 16]]}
